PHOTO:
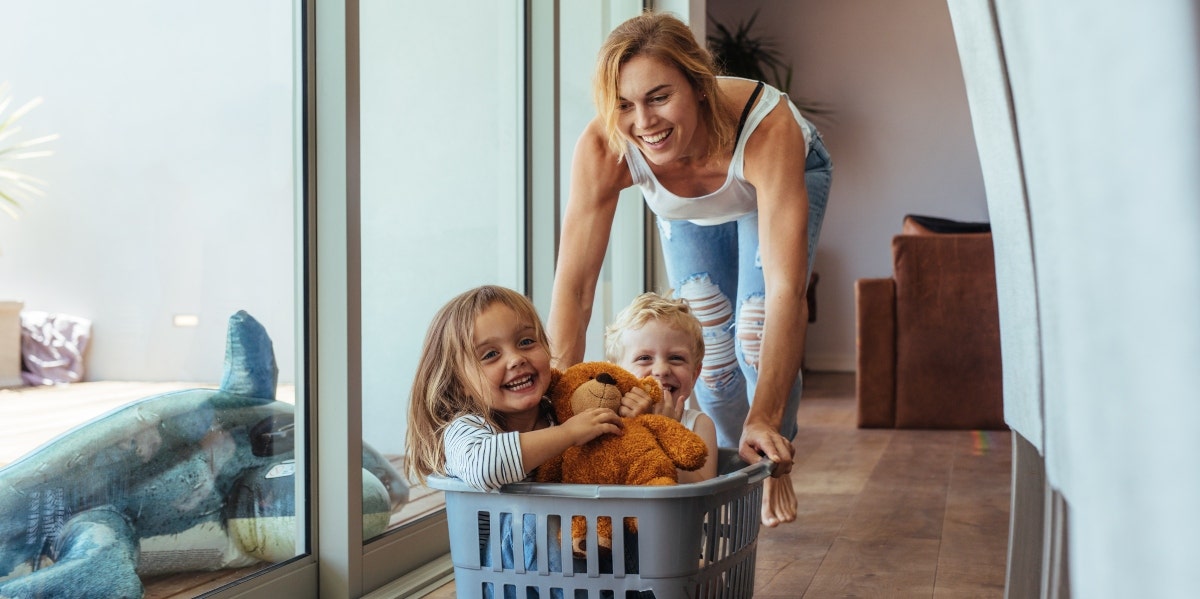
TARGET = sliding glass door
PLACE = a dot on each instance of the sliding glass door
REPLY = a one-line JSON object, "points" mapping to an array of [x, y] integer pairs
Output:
{"points": [[164, 259]]}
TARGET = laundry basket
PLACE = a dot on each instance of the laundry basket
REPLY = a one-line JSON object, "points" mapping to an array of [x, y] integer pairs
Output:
{"points": [[693, 540]]}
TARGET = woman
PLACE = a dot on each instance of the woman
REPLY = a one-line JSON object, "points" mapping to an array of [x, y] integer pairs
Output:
{"points": [[736, 177]]}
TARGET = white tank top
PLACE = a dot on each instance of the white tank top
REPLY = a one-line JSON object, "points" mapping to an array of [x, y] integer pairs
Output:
{"points": [[735, 198], [689, 417]]}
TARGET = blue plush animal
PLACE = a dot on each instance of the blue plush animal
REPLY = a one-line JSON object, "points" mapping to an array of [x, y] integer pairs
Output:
{"points": [[200, 479]]}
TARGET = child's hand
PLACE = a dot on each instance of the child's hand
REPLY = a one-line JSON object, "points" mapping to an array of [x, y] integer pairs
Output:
{"points": [[635, 403], [592, 423], [670, 407]]}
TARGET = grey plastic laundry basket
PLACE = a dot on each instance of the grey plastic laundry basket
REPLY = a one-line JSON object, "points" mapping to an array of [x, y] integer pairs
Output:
{"points": [[696, 540]]}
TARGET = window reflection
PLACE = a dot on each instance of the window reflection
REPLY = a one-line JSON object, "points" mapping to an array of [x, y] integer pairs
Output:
{"points": [[442, 199]]}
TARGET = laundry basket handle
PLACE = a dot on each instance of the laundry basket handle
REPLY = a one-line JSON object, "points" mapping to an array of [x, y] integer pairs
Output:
{"points": [[746, 475]]}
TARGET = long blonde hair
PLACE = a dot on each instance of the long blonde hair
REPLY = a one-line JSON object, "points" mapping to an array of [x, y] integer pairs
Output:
{"points": [[449, 382], [666, 38]]}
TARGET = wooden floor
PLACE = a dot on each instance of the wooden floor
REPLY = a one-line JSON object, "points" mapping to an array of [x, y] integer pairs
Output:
{"points": [[885, 513], [32, 416]]}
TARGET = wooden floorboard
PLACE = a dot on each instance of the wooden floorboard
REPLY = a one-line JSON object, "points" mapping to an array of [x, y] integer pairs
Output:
{"points": [[977, 508], [32, 416]]}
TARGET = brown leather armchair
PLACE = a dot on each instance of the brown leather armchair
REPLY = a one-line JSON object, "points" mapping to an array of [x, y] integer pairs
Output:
{"points": [[929, 336]]}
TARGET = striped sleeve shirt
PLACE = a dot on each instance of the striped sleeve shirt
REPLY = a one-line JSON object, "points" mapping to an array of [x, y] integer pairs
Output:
{"points": [[481, 455]]}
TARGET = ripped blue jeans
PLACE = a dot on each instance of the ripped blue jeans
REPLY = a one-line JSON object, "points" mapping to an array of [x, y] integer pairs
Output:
{"points": [[711, 265]]}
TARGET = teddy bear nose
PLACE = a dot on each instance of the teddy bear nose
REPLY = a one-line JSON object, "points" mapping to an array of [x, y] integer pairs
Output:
{"points": [[606, 378]]}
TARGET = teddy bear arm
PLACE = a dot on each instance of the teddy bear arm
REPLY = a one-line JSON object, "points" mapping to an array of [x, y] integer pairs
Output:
{"points": [[652, 388], [685, 448]]}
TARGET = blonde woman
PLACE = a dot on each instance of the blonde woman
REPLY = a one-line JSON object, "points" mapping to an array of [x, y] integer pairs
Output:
{"points": [[738, 179]]}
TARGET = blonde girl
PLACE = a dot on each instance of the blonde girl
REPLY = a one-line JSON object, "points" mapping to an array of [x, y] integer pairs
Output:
{"points": [[478, 410]]}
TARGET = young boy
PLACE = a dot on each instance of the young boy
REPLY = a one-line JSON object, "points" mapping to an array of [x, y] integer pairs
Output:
{"points": [[661, 337]]}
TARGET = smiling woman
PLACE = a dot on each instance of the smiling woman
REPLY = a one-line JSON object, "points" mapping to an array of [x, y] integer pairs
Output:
{"points": [[738, 179]]}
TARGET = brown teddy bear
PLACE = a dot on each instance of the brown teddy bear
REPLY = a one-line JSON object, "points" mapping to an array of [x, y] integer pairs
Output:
{"points": [[648, 452]]}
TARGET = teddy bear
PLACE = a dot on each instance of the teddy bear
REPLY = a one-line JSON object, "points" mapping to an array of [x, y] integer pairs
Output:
{"points": [[648, 452]]}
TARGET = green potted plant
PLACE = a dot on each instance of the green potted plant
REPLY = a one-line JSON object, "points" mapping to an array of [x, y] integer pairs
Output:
{"points": [[16, 186], [740, 52]]}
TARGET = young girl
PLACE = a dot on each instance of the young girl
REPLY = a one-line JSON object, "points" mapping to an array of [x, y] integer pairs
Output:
{"points": [[478, 410]]}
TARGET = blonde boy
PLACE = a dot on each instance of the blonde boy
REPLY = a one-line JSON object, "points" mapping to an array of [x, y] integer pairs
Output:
{"points": [[661, 337]]}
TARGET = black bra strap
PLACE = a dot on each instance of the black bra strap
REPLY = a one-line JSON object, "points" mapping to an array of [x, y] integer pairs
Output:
{"points": [[746, 110]]}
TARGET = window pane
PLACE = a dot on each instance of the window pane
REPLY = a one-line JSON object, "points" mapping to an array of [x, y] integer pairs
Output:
{"points": [[585, 26], [170, 206], [442, 177]]}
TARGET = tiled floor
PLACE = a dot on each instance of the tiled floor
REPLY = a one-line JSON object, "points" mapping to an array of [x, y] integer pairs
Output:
{"points": [[885, 513]]}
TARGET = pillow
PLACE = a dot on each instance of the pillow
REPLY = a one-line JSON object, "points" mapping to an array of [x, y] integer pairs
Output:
{"points": [[916, 224]]}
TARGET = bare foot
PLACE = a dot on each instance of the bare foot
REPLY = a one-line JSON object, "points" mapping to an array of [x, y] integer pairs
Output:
{"points": [[779, 501]]}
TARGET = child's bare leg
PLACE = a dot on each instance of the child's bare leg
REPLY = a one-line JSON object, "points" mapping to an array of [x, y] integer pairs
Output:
{"points": [[779, 501]]}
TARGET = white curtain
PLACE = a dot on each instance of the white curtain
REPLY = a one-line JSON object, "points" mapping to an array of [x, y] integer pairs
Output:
{"points": [[1106, 114]]}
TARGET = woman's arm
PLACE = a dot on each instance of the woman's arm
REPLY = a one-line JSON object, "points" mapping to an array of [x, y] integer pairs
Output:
{"points": [[596, 182], [775, 157]]}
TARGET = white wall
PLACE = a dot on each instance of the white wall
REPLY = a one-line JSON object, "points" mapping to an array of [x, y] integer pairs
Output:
{"points": [[171, 189], [900, 138]]}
